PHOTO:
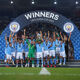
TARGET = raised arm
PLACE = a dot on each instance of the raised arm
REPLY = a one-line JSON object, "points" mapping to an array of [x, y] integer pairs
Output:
{"points": [[69, 37], [48, 34], [65, 38], [45, 34], [24, 32], [16, 37], [61, 36], [54, 37], [11, 36], [23, 36], [41, 34]]}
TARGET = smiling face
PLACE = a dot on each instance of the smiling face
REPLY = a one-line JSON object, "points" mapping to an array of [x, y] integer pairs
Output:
{"points": [[31, 42], [58, 38], [32, 38], [44, 37], [39, 42], [46, 40], [36, 32], [20, 41], [61, 42]]}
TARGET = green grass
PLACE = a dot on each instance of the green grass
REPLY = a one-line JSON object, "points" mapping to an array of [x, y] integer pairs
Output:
{"points": [[33, 74]]}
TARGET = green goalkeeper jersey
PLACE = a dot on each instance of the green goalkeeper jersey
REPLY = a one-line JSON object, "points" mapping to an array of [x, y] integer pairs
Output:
{"points": [[31, 47]]}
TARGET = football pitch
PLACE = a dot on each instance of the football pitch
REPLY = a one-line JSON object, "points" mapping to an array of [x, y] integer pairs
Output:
{"points": [[13, 73]]}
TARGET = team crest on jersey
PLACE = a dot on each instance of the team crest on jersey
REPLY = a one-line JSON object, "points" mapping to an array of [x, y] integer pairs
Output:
{"points": [[14, 27], [68, 27]]}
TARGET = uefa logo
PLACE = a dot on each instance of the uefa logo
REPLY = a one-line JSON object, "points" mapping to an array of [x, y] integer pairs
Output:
{"points": [[68, 27], [14, 27]]}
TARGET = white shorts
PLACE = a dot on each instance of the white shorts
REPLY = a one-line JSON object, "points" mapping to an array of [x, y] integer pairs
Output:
{"points": [[19, 55], [26, 54], [52, 53], [57, 49], [39, 55], [46, 53], [13, 54], [63, 54], [8, 56]]}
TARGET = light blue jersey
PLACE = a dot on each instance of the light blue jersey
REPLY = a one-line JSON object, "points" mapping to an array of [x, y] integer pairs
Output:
{"points": [[13, 47], [8, 50], [11, 40], [25, 47], [62, 47], [46, 45], [53, 45], [19, 47], [58, 43], [39, 47]]}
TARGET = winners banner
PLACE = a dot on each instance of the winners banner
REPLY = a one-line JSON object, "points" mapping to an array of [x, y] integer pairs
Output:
{"points": [[42, 14]]}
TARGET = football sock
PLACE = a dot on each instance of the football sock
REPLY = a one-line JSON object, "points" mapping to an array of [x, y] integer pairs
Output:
{"points": [[26, 61], [48, 62], [55, 61], [60, 60], [64, 60], [32, 61], [42, 61], [51, 61], [37, 61]]}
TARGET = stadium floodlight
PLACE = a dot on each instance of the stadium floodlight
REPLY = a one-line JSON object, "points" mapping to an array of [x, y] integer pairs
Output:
{"points": [[55, 2], [12, 2], [33, 2], [76, 2]]}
